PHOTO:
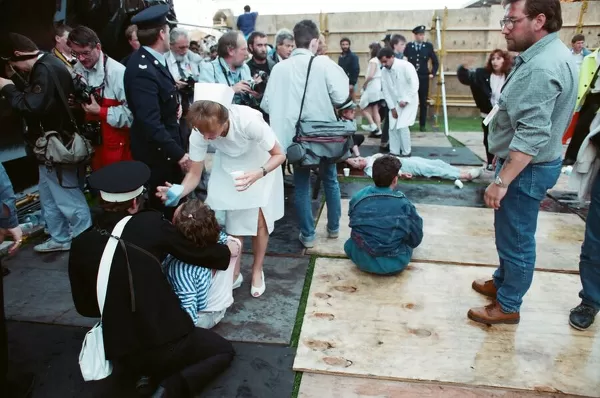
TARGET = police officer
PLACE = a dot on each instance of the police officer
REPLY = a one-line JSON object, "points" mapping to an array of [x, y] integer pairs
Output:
{"points": [[419, 52], [145, 329], [151, 93]]}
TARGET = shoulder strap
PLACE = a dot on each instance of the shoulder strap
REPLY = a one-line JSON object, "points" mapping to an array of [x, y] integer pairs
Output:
{"points": [[305, 86], [106, 262], [61, 92]]}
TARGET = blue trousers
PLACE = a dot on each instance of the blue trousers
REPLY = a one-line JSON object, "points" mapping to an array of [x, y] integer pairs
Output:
{"points": [[589, 260]]}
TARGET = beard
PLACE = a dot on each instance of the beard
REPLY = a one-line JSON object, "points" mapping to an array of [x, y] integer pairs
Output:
{"points": [[179, 58], [259, 56]]}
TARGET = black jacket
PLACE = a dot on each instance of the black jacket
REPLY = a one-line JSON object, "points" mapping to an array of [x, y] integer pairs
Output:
{"points": [[153, 99], [154, 317], [350, 65], [39, 103], [420, 58], [479, 81]]}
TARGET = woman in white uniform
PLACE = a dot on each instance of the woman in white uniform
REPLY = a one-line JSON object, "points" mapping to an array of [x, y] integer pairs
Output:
{"points": [[246, 181]]}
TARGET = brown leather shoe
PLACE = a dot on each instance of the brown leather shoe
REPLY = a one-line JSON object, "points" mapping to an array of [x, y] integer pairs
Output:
{"points": [[492, 314], [485, 287]]}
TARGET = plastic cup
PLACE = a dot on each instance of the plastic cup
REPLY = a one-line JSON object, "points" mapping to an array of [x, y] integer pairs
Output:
{"points": [[236, 174], [346, 171]]}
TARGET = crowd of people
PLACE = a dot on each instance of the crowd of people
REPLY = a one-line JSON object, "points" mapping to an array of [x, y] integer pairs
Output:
{"points": [[152, 118]]}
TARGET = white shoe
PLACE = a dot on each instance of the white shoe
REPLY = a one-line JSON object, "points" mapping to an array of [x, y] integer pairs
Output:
{"points": [[238, 281], [475, 173], [258, 291], [459, 184], [52, 246], [369, 127]]}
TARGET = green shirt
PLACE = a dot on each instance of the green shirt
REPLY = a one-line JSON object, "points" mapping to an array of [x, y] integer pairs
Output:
{"points": [[537, 102]]}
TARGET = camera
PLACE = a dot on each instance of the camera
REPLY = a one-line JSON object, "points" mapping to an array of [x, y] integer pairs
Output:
{"points": [[262, 86], [83, 93], [92, 131]]}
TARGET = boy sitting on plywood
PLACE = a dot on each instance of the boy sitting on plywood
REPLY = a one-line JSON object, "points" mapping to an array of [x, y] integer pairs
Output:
{"points": [[385, 225]]}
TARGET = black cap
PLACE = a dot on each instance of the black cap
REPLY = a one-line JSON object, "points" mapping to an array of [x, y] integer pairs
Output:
{"points": [[387, 37], [120, 181], [152, 17], [419, 29], [11, 42], [349, 104]]}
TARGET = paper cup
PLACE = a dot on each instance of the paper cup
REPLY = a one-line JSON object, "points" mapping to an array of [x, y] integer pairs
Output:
{"points": [[346, 171], [236, 174]]}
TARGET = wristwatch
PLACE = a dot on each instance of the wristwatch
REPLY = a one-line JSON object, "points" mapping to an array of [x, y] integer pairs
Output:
{"points": [[498, 181], [264, 171]]}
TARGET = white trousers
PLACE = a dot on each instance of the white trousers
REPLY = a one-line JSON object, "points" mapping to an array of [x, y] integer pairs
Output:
{"points": [[400, 141]]}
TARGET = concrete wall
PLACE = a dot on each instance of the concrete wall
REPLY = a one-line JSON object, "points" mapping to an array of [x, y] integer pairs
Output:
{"points": [[470, 35]]}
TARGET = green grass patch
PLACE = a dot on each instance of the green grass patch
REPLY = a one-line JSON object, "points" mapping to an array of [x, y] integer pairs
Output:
{"points": [[461, 124], [297, 381], [303, 300], [455, 143]]}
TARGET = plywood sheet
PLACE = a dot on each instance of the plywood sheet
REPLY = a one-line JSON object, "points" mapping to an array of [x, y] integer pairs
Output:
{"points": [[465, 235], [319, 385], [414, 327]]}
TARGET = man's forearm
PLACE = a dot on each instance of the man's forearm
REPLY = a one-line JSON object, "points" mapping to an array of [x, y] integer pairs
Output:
{"points": [[513, 166]]}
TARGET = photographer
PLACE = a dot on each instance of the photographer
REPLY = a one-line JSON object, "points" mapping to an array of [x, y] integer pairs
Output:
{"points": [[100, 91], [260, 66], [66, 211], [230, 68]]}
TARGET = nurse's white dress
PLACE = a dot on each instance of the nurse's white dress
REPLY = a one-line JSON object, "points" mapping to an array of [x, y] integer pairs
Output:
{"points": [[245, 148]]}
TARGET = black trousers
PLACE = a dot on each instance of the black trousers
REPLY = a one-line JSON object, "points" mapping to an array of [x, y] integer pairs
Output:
{"points": [[486, 132], [184, 367], [582, 128], [423, 91], [159, 174], [385, 126]]}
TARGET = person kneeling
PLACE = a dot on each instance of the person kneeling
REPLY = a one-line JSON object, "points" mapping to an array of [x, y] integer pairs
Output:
{"points": [[204, 293], [385, 224]]}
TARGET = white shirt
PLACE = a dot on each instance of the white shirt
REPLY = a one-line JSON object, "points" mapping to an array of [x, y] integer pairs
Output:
{"points": [[578, 58], [189, 67], [496, 83], [117, 116], [328, 84]]}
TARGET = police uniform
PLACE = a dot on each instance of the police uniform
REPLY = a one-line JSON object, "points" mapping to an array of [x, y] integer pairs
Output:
{"points": [[419, 55], [145, 329], [152, 97]]}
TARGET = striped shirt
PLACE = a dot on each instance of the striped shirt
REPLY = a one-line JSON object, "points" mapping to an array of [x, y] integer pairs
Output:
{"points": [[190, 282]]}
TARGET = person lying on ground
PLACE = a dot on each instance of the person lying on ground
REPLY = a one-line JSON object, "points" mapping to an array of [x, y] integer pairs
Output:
{"points": [[415, 166], [385, 225], [204, 293]]}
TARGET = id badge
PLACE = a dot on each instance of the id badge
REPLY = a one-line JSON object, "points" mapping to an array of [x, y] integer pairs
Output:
{"points": [[491, 115]]}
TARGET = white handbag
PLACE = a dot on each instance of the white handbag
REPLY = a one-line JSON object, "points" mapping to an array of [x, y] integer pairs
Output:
{"points": [[92, 358]]}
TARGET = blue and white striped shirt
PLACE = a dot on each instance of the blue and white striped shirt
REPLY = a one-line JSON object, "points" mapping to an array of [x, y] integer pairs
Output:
{"points": [[190, 282]]}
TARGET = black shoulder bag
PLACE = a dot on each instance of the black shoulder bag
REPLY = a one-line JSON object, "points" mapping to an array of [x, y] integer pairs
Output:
{"points": [[317, 142]]}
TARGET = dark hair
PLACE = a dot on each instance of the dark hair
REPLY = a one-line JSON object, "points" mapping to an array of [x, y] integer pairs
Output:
{"points": [[84, 37], [229, 41], [345, 39], [397, 39], [577, 38], [304, 32], [197, 222], [253, 36], [506, 66], [247, 8], [61, 28], [149, 37], [16, 42], [194, 43], [131, 29], [550, 8], [385, 52], [374, 47], [385, 169], [120, 207], [213, 48]]}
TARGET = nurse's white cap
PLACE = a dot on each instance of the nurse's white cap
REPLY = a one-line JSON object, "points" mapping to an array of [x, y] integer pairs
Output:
{"points": [[219, 93]]}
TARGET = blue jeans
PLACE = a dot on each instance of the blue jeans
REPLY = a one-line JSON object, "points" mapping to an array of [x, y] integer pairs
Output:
{"points": [[328, 173], [589, 260], [515, 224]]}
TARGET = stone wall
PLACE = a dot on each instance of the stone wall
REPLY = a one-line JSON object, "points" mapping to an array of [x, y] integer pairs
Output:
{"points": [[470, 35]]}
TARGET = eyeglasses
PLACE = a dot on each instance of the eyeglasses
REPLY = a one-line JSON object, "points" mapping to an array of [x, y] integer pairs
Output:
{"points": [[84, 54], [510, 22]]}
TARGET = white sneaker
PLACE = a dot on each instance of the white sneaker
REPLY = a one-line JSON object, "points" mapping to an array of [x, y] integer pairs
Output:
{"points": [[369, 127], [459, 184], [52, 246], [475, 173]]}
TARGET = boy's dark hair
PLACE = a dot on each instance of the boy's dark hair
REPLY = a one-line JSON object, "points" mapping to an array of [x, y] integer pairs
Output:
{"points": [[397, 39], [194, 43], [346, 39], [577, 38], [247, 8], [304, 32], [385, 169], [197, 222], [385, 52], [84, 37]]}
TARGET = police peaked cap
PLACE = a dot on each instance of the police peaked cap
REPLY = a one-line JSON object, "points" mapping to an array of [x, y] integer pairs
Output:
{"points": [[121, 181], [419, 29], [152, 17]]}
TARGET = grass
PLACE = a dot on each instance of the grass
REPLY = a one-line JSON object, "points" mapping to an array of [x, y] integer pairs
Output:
{"points": [[458, 124]]}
